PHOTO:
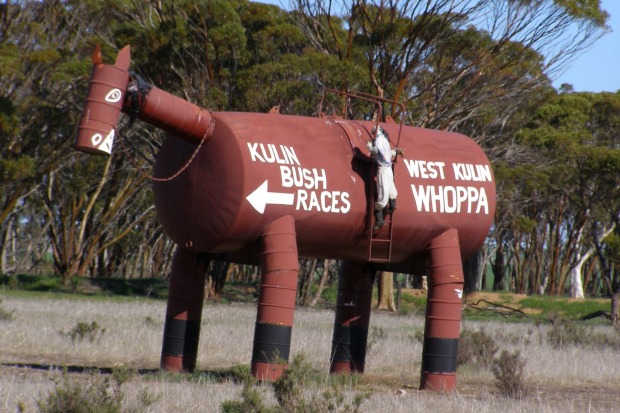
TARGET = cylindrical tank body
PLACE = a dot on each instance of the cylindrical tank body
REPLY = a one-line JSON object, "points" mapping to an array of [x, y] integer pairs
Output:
{"points": [[256, 168]]}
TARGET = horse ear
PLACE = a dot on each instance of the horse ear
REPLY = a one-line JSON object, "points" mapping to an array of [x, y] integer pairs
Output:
{"points": [[124, 58], [96, 56]]}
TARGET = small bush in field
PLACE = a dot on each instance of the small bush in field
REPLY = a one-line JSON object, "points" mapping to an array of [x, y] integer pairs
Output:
{"points": [[81, 331], [251, 402], [375, 335], [5, 315], [567, 332], [291, 397], [241, 373], [611, 340], [476, 347], [96, 395], [150, 321], [509, 376]]}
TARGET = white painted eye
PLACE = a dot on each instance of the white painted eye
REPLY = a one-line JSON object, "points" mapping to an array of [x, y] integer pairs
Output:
{"points": [[113, 96]]}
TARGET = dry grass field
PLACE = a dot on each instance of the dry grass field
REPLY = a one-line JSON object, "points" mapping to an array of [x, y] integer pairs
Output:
{"points": [[33, 350]]}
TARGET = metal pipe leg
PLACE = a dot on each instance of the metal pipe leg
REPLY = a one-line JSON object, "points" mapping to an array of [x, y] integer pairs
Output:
{"points": [[352, 318], [183, 313], [276, 302], [443, 313]]}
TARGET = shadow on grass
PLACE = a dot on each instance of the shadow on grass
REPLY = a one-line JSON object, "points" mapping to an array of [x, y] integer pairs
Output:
{"points": [[233, 374], [147, 287]]}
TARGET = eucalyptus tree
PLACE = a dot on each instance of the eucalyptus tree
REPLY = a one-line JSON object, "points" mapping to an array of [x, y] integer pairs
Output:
{"points": [[470, 66], [577, 133], [38, 86], [45, 48], [454, 61]]}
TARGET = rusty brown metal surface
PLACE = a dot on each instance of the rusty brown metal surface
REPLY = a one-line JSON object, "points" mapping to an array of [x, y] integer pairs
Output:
{"points": [[443, 313], [258, 167], [352, 318], [175, 115], [183, 313], [111, 90], [266, 188], [276, 300], [103, 104]]}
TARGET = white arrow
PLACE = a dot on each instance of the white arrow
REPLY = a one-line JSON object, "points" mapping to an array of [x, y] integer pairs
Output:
{"points": [[261, 197]]}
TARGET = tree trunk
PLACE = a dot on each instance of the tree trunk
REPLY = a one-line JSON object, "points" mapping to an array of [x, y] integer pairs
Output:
{"points": [[386, 291], [472, 272], [3, 247], [576, 286], [574, 274], [498, 268], [321, 286], [399, 292], [615, 309], [304, 298], [216, 278], [554, 273]]}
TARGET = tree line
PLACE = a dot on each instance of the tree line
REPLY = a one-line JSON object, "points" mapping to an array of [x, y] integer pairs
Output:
{"points": [[479, 67]]}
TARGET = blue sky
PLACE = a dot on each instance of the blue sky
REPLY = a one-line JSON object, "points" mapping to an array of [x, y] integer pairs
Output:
{"points": [[598, 68]]}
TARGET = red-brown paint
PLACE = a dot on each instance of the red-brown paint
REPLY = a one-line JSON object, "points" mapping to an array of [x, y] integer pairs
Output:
{"points": [[226, 172], [352, 318], [443, 310], [106, 99], [183, 313], [278, 291], [257, 171], [103, 105]]}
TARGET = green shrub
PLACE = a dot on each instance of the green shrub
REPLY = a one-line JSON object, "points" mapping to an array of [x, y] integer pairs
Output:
{"points": [[241, 373], [288, 388], [150, 321], [330, 295], [81, 331], [96, 395], [5, 315], [509, 377], [567, 332], [375, 335], [476, 347], [289, 391]]}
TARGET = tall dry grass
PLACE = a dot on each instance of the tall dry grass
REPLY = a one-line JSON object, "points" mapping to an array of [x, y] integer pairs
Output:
{"points": [[569, 379]]}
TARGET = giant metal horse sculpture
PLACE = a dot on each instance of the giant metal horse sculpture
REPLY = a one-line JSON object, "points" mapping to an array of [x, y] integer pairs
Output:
{"points": [[266, 188]]}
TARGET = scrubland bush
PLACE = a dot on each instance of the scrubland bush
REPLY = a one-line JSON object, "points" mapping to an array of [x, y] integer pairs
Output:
{"points": [[508, 370], [5, 315], [97, 395], [476, 347], [567, 332], [81, 331], [375, 335], [291, 395]]}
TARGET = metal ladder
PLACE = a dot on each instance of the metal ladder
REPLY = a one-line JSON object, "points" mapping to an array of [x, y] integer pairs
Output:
{"points": [[380, 245], [380, 241]]}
